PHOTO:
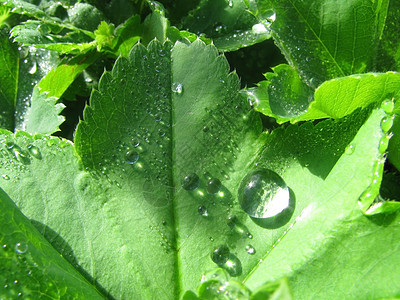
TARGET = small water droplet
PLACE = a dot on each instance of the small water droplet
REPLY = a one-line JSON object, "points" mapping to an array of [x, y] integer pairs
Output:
{"points": [[21, 248], [131, 157], [203, 211], [250, 250], [349, 149], [234, 223], [33, 69], [388, 106], [383, 144], [5, 177], [230, 3], [263, 194], [21, 157], [34, 151], [387, 123], [177, 88], [213, 186], [191, 182], [220, 255]]}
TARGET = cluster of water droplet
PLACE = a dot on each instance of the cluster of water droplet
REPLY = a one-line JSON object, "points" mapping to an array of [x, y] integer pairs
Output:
{"points": [[35, 64], [15, 158], [371, 195]]}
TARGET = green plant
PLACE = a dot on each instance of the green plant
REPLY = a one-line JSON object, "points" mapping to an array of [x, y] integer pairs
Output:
{"points": [[177, 182]]}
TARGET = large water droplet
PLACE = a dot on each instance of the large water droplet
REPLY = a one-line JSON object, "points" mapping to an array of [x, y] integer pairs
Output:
{"points": [[220, 255], [213, 186], [263, 194], [177, 87], [21, 248], [191, 182], [131, 157]]}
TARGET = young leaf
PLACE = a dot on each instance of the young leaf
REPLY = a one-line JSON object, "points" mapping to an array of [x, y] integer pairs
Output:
{"points": [[43, 114], [335, 98], [39, 34]]}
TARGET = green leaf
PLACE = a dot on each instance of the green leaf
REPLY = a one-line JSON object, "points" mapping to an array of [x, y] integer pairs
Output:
{"points": [[277, 290], [29, 266], [227, 23], [274, 98], [335, 98], [39, 34], [323, 40], [388, 58], [57, 81], [9, 80], [43, 114], [132, 216], [311, 255]]}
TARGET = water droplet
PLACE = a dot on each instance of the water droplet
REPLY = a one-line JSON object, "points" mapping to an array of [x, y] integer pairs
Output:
{"points": [[388, 106], [263, 194], [220, 255], [250, 250], [34, 151], [191, 182], [131, 157], [383, 144], [213, 186], [349, 149], [230, 3], [33, 69], [5, 177], [21, 248], [387, 123], [177, 87], [234, 223], [21, 157], [203, 211]]}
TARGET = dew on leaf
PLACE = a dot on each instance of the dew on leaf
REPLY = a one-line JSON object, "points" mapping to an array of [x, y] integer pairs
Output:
{"points": [[21, 248], [349, 149], [387, 123], [131, 157], [388, 106], [383, 144], [21, 157], [177, 88], [213, 186], [191, 182], [234, 223], [202, 210], [263, 194], [220, 255], [250, 250], [34, 151], [5, 177]]}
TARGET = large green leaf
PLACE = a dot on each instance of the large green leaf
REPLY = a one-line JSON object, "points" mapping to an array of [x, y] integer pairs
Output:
{"points": [[131, 215]]}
